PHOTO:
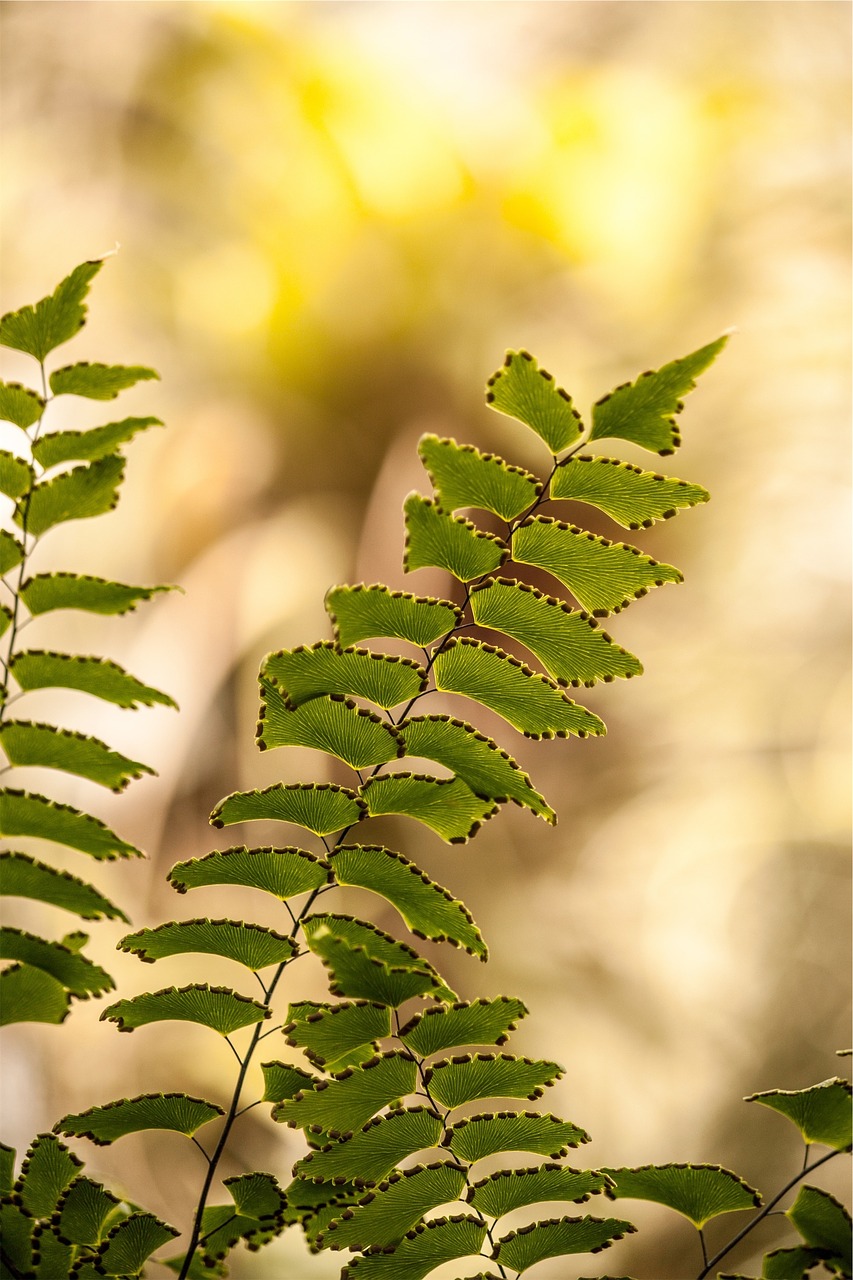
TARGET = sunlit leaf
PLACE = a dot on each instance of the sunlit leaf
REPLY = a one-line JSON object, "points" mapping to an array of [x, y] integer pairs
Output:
{"points": [[11, 551], [632, 497], [361, 612], [77, 974], [321, 929], [483, 1135], [47, 1169], [393, 1208], [222, 1228], [345, 1103], [464, 477], [282, 872], [16, 474], [198, 1269], [603, 576], [435, 539], [319, 807], [88, 446], [376, 1148], [31, 995], [85, 491], [327, 1032], [789, 1264], [447, 805], [465, 1023], [83, 1211], [216, 1007], [644, 411], [256, 1195], [131, 1243], [510, 1189], [173, 1111], [5, 618], [524, 391], [282, 1080], [556, 1237], [332, 724], [489, 1075], [52, 321], [249, 944], [480, 763], [698, 1191], [42, 669], [97, 381], [531, 703], [310, 672], [19, 404], [16, 1232], [821, 1113], [429, 910], [25, 814], [22, 876], [29, 743], [823, 1222], [48, 591], [420, 1251], [354, 972]]}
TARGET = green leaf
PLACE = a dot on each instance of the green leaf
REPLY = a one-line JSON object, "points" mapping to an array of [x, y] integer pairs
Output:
{"points": [[20, 405], [484, 1135], [256, 1195], [16, 1231], [48, 591], [29, 743], [11, 551], [199, 1269], [435, 539], [173, 1111], [129, 1245], [16, 474], [281, 1080], [644, 411], [43, 669], [310, 672], [26, 814], [510, 1189], [320, 807], [354, 972], [789, 1264], [570, 645], [77, 974], [31, 995], [282, 872], [531, 703], [477, 1022], [821, 1113], [429, 910], [83, 492], [480, 763], [46, 1171], [97, 381], [556, 1237], [489, 1075], [341, 1105], [632, 497], [603, 576], [823, 1222], [375, 1149], [464, 477], [319, 930], [420, 1251], [88, 446], [222, 1228], [361, 612], [51, 1255], [524, 391], [333, 724], [327, 1032], [698, 1191], [219, 1008], [447, 805], [25, 877], [40, 328], [249, 944], [7, 1168], [386, 1213], [83, 1211], [5, 619]]}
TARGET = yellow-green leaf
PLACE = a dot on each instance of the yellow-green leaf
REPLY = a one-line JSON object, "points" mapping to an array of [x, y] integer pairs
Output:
{"points": [[97, 381], [361, 612], [435, 539], [463, 478], [524, 391], [632, 497]]}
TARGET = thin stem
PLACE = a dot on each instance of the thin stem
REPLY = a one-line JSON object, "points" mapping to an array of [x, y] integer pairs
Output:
{"points": [[200, 1147], [704, 1246], [233, 1050]]}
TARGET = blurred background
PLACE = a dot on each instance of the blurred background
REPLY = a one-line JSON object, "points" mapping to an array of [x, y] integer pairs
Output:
{"points": [[333, 219]]}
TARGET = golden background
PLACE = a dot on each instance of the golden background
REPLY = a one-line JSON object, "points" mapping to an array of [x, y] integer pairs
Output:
{"points": [[334, 218]]}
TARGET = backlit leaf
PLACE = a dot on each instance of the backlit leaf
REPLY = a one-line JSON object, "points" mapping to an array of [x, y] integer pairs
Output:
{"points": [[510, 1189], [216, 1007], [7, 1168], [556, 1237], [434, 538], [320, 929], [318, 807], [282, 1080], [249, 944], [376, 1148], [332, 724], [11, 551], [789, 1264], [31, 995], [483, 1135], [429, 910], [88, 446], [304, 673], [698, 1191], [345, 1103], [478, 1022], [47, 1169], [16, 1232], [97, 381], [821, 1113], [644, 411], [173, 1111], [48, 591], [25, 814], [385, 1214], [256, 1195], [82, 1212], [128, 1245], [77, 974], [489, 1075], [28, 743], [531, 703], [282, 872], [524, 391], [52, 321], [329, 1031], [603, 576], [5, 619], [632, 497], [447, 805], [42, 669], [464, 477], [16, 474], [88, 490], [361, 612], [22, 876], [19, 404], [51, 1255], [570, 645], [823, 1222], [354, 972], [420, 1251]]}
